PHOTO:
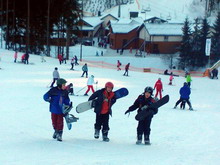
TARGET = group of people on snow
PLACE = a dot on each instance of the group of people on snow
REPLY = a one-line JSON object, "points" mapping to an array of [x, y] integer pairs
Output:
{"points": [[105, 98]]}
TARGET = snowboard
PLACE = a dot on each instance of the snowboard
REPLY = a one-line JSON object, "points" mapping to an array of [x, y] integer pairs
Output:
{"points": [[85, 106], [69, 118], [146, 110]]}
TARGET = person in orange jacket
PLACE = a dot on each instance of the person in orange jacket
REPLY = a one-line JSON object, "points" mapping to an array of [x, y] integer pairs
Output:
{"points": [[159, 87]]}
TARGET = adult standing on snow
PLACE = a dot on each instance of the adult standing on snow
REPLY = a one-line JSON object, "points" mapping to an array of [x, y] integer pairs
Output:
{"points": [[159, 87], [105, 98], [72, 64], [126, 69], [60, 58], [26, 57], [85, 70], [76, 60], [90, 83], [143, 128], [57, 97], [184, 96], [56, 76], [188, 79]]}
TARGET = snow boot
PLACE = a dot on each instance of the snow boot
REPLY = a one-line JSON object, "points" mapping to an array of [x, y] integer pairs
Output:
{"points": [[55, 134], [139, 139], [85, 94], [146, 140], [96, 134], [174, 107], [191, 109], [105, 135], [59, 135]]}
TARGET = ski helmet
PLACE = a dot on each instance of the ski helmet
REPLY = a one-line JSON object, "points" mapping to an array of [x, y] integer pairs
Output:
{"points": [[149, 90], [61, 81], [109, 84]]}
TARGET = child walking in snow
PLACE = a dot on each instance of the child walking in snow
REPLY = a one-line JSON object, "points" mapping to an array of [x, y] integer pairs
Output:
{"points": [[90, 83], [143, 128], [57, 97], [105, 98]]}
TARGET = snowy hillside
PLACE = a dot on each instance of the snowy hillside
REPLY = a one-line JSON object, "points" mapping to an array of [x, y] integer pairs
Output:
{"points": [[175, 10], [178, 137]]}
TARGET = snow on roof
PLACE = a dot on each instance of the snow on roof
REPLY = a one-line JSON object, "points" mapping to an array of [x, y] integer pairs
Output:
{"points": [[164, 29], [93, 21], [124, 26], [102, 17]]}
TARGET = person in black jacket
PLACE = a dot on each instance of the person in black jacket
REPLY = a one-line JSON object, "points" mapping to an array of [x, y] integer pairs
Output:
{"points": [[143, 128], [104, 99]]}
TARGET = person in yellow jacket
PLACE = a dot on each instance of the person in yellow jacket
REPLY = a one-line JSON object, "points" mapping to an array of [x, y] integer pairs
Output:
{"points": [[188, 79]]}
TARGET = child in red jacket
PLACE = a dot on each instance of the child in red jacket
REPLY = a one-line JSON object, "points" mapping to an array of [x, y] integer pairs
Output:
{"points": [[159, 87]]}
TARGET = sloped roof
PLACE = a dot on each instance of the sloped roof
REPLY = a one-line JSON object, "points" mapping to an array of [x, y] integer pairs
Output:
{"points": [[124, 26], [164, 29], [103, 17], [93, 21]]}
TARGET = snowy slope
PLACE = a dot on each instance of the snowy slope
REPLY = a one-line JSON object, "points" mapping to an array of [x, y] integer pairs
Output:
{"points": [[178, 137]]}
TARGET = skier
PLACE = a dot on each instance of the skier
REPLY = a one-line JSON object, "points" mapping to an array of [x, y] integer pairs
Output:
{"points": [[23, 58], [171, 78], [126, 69], [144, 99], [104, 100], [159, 87], [26, 58], [118, 65], [57, 97], [60, 58], [188, 79], [56, 76], [15, 56], [69, 89], [85, 70], [90, 83], [72, 64], [184, 96]]}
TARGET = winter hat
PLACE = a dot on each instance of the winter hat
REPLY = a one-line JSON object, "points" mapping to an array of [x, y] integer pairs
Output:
{"points": [[61, 81]]}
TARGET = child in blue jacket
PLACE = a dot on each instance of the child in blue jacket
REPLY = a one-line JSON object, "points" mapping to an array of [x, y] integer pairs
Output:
{"points": [[57, 97]]}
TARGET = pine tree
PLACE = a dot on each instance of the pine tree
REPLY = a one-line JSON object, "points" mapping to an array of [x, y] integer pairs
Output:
{"points": [[185, 48], [215, 47], [202, 60]]}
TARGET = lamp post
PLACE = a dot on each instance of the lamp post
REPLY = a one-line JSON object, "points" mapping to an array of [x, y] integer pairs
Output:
{"points": [[81, 30]]}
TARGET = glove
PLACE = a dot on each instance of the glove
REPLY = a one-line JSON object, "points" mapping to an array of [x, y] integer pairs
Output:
{"points": [[128, 111]]}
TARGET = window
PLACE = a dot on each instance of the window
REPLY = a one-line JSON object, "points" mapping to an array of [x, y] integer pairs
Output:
{"points": [[166, 38]]}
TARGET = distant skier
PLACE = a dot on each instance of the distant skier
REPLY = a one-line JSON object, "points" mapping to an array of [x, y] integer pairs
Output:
{"points": [[56, 76], [105, 98], [60, 58], [15, 56], [126, 69], [159, 87], [171, 78], [72, 63], [90, 83], [118, 65], [26, 58], [188, 79], [57, 97], [184, 96], [143, 128], [85, 70]]}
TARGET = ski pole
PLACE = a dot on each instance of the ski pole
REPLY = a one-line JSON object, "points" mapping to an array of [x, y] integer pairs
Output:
{"points": [[81, 89]]}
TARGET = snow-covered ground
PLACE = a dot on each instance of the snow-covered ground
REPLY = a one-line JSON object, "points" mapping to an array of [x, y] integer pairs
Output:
{"points": [[178, 137]]}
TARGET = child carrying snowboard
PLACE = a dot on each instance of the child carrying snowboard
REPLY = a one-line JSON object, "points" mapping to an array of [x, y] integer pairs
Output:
{"points": [[57, 97], [143, 128], [105, 98]]}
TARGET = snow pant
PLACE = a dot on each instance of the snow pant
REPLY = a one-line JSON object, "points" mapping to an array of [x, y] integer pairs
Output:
{"points": [[182, 99], [183, 103], [72, 66], [54, 80], [144, 127], [126, 73], [102, 121], [189, 84], [60, 61], [57, 121], [160, 93], [90, 87], [85, 72]]}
